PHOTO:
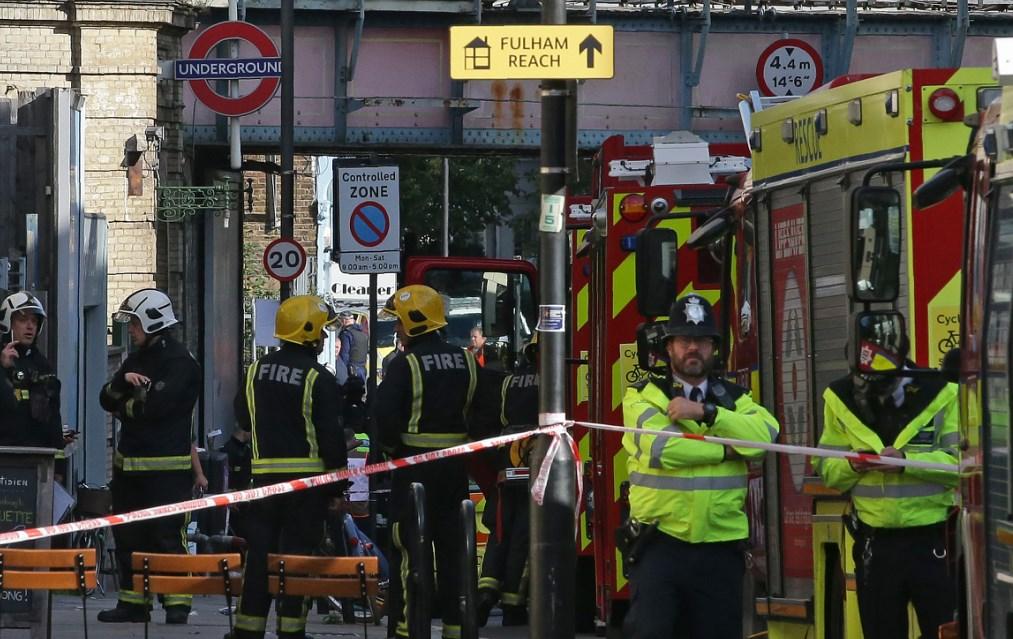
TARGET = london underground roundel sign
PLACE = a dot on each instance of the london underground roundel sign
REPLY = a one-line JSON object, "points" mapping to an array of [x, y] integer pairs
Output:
{"points": [[789, 67], [268, 71]]}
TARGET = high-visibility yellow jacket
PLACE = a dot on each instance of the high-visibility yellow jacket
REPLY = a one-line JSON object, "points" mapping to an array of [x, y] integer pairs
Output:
{"points": [[914, 497], [686, 485]]}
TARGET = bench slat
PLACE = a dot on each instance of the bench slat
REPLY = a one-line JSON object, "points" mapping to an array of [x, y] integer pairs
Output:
{"points": [[45, 558], [321, 587], [326, 566], [173, 564], [180, 585], [31, 580]]}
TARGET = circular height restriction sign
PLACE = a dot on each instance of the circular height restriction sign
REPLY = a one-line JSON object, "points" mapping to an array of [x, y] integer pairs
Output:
{"points": [[789, 67], [284, 259], [265, 89]]}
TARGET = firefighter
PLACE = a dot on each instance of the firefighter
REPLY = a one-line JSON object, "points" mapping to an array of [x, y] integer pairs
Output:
{"points": [[152, 394], [422, 405], [35, 419], [684, 541], [504, 566], [898, 516], [291, 405]]}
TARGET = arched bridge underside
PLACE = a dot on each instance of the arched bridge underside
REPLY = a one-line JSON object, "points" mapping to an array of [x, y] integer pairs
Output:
{"points": [[374, 74]]}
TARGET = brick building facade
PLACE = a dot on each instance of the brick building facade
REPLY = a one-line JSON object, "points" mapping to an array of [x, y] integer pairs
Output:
{"points": [[109, 50]]}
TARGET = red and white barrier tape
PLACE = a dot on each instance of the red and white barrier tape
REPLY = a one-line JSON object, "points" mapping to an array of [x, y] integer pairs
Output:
{"points": [[282, 488], [538, 485], [780, 448]]}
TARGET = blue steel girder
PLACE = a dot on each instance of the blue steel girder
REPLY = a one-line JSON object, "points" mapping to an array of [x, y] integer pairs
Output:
{"points": [[945, 29]]}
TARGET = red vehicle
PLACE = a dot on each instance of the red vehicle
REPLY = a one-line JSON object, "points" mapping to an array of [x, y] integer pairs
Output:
{"points": [[675, 184]]}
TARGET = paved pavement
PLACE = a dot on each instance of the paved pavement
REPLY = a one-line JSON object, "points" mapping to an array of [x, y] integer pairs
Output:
{"points": [[206, 621]]}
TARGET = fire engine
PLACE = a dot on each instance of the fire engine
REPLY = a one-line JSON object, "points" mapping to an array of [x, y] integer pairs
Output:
{"points": [[674, 184], [815, 159], [986, 501]]}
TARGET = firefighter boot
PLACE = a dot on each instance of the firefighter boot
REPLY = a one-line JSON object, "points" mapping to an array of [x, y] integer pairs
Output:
{"points": [[125, 613], [176, 615], [486, 601], [514, 615]]}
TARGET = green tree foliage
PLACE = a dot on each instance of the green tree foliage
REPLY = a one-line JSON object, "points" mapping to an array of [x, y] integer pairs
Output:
{"points": [[480, 191]]}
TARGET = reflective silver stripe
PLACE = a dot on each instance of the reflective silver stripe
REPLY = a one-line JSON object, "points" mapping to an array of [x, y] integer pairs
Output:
{"points": [[732, 482], [644, 416], [416, 375], [832, 447], [899, 491], [658, 445], [433, 440], [286, 465], [774, 432], [472, 381], [949, 439]]}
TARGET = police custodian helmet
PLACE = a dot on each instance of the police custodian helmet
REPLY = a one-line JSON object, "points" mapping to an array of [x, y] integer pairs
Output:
{"points": [[692, 316]]}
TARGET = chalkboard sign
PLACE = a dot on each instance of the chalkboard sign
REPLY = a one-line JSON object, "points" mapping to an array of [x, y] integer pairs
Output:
{"points": [[19, 487]]}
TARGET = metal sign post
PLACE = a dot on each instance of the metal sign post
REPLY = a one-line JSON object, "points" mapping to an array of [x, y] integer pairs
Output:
{"points": [[553, 551]]}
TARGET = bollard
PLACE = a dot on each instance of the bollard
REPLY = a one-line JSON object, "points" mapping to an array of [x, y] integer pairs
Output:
{"points": [[469, 580], [421, 561]]}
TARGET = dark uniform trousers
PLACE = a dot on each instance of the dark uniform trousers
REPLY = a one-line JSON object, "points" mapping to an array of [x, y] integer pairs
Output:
{"points": [[146, 489], [897, 565], [701, 583], [505, 565], [444, 529], [286, 524]]}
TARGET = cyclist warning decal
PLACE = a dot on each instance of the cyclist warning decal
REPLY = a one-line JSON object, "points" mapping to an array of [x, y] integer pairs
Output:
{"points": [[629, 367], [944, 332]]}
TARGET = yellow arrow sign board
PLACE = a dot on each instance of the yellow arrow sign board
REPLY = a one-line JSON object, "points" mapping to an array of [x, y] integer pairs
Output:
{"points": [[531, 52]]}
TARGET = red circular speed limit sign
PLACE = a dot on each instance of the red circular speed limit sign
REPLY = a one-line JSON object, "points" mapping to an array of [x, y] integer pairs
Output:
{"points": [[265, 89], [789, 67], [284, 259]]}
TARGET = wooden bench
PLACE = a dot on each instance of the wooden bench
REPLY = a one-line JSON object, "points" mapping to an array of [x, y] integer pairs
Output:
{"points": [[44, 569], [339, 577], [178, 574]]}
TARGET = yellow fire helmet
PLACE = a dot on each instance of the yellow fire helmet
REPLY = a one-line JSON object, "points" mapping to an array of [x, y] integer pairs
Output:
{"points": [[301, 318], [419, 308]]}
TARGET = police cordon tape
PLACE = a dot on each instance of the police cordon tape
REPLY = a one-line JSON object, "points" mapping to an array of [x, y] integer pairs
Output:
{"points": [[538, 484], [241, 496], [788, 449]]}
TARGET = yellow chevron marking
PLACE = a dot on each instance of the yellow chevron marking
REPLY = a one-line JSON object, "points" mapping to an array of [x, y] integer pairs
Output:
{"points": [[624, 284]]}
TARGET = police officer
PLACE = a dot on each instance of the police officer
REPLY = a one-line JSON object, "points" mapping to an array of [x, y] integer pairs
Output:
{"points": [[898, 515], [152, 394], [422, 405], [504, 566], [35, 419], [291, 405], [687, 525]]}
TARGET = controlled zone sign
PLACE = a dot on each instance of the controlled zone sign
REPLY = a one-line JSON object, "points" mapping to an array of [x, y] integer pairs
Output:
{"points": [[369, 228], [198, 69], [284, 259], [532, 52], [789, 67]]}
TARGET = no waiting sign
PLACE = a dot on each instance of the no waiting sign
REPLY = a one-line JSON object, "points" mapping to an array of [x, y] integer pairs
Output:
{"points": [[369, 229]]}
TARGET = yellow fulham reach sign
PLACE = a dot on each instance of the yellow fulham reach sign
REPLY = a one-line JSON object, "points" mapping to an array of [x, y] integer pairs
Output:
{"points": [[532, 52]]}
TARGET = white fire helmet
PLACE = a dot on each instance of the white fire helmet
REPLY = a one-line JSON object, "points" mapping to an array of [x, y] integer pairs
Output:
{"points": [[149, 305], [20, 302]]}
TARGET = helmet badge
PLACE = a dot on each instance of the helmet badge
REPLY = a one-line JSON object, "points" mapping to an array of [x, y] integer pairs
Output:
{"points": [[695, 312]]}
